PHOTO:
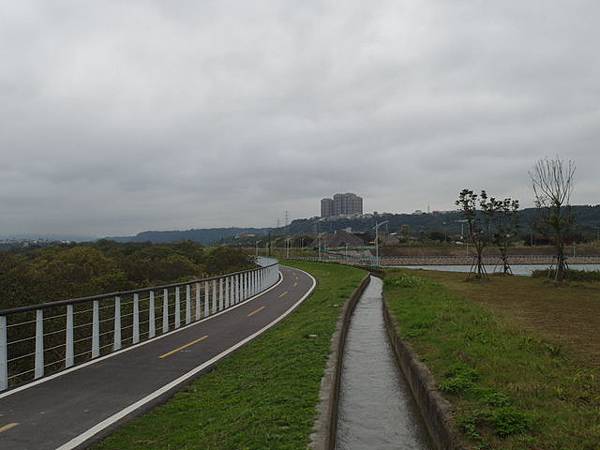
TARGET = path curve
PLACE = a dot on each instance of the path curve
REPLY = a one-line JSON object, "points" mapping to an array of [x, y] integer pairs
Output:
{"points": [[73, 410]]}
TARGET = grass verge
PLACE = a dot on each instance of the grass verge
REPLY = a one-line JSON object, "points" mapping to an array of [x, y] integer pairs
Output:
{"points": [[262, 397], [511, 386]]}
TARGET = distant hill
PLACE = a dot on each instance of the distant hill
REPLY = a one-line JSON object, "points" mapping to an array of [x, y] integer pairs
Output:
{"points": [[588, 223], [203, 236]]}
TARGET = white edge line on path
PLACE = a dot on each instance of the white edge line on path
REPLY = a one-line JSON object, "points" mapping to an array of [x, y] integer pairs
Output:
{"points": [[154, 339], [82, 438]]}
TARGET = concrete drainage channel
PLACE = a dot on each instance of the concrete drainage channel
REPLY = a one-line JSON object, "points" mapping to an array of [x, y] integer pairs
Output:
{"points": [[376, 408], [365, 401]]}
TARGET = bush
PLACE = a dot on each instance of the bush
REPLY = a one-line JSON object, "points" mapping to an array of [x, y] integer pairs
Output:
{"points": [[571, 275], [459, 379], [403, 280]]}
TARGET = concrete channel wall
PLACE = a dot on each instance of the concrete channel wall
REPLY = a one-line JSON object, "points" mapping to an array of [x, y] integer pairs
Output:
{"points": [[436, 411], [324, 430]]}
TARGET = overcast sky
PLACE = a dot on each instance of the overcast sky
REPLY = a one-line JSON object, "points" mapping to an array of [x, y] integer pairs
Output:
{"points": [[123, 116]]}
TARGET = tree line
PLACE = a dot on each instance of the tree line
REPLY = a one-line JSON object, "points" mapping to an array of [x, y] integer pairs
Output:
{"points": [[60, 272]]}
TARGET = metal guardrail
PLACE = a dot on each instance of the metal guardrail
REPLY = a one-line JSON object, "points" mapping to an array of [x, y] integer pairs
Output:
{"points": [[43, 339]]}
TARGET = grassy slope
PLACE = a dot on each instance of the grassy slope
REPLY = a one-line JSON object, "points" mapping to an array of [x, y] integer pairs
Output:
{"points": [[263, 396], [513, 387], [569, 316]]}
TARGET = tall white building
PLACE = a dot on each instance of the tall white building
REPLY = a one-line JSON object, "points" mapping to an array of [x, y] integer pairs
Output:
{"points": [[348, 204]]}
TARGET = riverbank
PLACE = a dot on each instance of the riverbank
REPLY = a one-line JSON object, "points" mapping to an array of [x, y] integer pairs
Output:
{"points": [[263, 396], [517, 358]]}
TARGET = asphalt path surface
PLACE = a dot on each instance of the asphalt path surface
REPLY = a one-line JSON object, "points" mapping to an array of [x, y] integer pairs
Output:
{"points": [[79, 407]]}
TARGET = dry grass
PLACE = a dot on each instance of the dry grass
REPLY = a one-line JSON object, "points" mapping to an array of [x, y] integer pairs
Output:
{"points": [[569, 315]]}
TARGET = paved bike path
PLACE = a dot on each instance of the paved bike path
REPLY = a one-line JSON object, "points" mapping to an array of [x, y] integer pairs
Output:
{"points": [[64, 411]]}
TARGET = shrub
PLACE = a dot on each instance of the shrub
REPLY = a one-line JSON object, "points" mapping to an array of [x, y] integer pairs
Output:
{"points": [[570, 275]]}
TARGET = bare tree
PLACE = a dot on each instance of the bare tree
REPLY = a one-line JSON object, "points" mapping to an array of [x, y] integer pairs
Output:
{"points": [[468, 204], [502, 220], [552, 181]]}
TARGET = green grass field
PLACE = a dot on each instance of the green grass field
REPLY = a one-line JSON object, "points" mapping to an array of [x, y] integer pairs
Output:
{"points": [[262, 397], [503, 354]]}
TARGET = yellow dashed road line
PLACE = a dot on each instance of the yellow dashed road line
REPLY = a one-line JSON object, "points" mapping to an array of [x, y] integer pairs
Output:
{"points": [[178, 349], [7, 427], [256, 311], [283, 295]]}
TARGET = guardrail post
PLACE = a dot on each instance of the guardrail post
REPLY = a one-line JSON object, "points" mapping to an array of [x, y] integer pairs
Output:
{"points": [[206, 299], [3, 355], [151, 317], [136, 318], [241, 297], [240, 284], [220, 294], [245, 285], [227, 289], [39, 343], [69, 350], [188, 304], [197, 301], [177, 307], [214, 296], [236, 289], [165, 327], [117, 325], [232, 290], [95, 328]]}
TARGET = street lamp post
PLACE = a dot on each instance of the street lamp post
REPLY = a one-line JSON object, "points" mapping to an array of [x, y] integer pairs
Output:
{"points": [[462, 233], [256, 243], [319, 244], [377, 225]]}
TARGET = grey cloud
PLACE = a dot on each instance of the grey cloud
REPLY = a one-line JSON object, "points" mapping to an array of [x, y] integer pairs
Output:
{"points": [[122, 116]]}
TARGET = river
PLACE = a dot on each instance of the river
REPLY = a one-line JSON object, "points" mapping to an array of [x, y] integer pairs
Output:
{"points": [[517, 269]]}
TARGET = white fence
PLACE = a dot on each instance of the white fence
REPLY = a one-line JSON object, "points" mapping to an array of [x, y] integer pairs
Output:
{"points": [[39, 340]]}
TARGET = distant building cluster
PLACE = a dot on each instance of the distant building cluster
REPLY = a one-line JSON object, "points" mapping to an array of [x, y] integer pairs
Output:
{"points": [[342, 205]]}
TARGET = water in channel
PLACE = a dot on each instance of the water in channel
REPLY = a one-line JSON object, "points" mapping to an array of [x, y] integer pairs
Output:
{"points": [[376, 409]]}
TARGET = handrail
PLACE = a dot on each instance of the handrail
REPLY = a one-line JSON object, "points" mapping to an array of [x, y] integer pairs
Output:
{"points": [[74, 301], [72, 336]]}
